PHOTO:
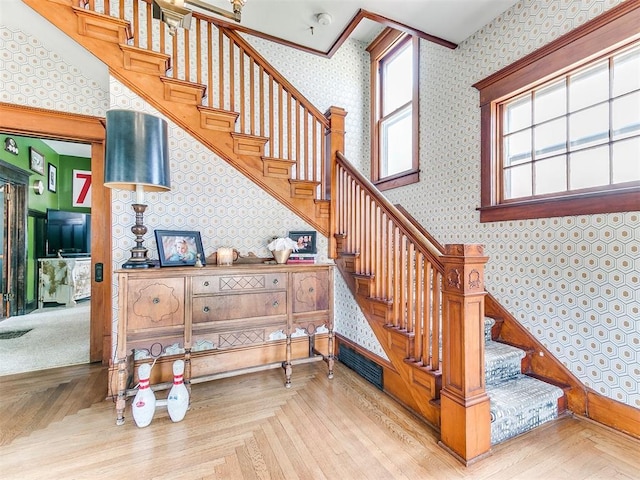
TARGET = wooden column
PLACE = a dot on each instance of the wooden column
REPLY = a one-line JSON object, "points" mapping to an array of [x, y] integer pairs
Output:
{"points": [[465, 418], [334, 138]]}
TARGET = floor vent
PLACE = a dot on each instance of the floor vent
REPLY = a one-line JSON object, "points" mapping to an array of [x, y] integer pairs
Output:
{"points": [[364, 367], [13, 334]]}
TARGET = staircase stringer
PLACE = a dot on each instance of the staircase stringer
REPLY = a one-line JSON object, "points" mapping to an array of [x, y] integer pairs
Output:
{"points": [[150, 87], [395, 342]]}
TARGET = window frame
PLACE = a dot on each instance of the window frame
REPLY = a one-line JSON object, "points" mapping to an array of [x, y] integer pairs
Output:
{"points": [[606, 33], [383, 47]]}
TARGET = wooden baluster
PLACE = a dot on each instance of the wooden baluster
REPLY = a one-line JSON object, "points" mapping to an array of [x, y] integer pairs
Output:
{"points": [[289, 127], [271, 116], [221, 85], [149, 15], [198, 51], [428, 341], [411, 282], [379, 249], [397, 252], [436, 318], [419, 304], [465, 416], [262, 116], [187, 54], [252, 95], [211, 82], [324, 165], [280, 120], [297, 158], [135, 23], [174, 55], [232, 77], [314, 149], [163, 46], [242, 100]]}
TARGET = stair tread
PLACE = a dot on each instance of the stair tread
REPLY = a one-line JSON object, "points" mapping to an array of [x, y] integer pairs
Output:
{"points": [[501, 361], [521, 404]]}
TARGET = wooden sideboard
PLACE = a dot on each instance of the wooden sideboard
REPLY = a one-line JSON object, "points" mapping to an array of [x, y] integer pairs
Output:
{"points": [[221, 321], [63, 280]]}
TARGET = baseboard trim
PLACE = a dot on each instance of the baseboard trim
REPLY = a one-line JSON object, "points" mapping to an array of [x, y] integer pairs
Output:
{"points": [[611, 413]]}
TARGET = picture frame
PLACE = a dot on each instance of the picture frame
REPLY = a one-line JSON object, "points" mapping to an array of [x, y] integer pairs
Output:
{"points": [[53, 178], [36, 161], [179, 248], [306, 241]]}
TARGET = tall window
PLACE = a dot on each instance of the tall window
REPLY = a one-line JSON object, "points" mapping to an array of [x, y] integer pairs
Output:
{"points": [[561, 127], [394, 119]]}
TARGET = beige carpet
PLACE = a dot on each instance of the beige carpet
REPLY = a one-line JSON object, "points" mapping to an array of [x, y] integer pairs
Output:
{"points": [[59, 337]]}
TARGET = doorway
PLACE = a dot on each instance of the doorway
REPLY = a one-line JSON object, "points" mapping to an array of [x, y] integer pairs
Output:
{"points": [[13, 193], [26, 121]]}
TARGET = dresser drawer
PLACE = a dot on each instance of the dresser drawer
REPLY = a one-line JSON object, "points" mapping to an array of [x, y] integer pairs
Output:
{"points": [[248, 305], [247, 282], [155, 303]]}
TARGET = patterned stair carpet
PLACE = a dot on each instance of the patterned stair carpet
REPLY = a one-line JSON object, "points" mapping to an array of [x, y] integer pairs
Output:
{"points": [[518, 402]]}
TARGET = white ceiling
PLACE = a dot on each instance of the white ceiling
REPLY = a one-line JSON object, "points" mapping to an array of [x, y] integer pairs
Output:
{"points": [[291, 20]]}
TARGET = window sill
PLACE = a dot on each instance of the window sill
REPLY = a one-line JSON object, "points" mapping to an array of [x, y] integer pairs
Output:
{"points": [[627, 200], [400, 180]]}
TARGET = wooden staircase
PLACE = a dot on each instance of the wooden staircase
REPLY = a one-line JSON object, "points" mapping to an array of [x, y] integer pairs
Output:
{"points": [[425, 302], [291, 168]]}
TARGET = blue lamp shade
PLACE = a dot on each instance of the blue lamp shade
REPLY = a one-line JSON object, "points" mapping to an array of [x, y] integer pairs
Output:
{"points": [[136, 151]]}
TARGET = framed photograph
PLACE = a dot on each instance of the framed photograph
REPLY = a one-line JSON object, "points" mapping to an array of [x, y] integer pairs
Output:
{"points": [[306, 241], [36, 161], [53, 178], [178, 248]]}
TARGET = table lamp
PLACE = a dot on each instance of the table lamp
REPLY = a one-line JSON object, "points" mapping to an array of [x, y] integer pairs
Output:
{"points": [[136, 158]]}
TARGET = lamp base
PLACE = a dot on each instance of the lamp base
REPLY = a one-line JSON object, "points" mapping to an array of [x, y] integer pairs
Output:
{"points": [[148, 263]]}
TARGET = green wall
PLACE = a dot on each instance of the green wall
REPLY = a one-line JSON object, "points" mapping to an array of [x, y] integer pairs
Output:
{"points": [[60, 200]]}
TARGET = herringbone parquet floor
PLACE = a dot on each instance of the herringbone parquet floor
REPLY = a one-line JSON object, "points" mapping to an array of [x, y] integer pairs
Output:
{"points": [[56, 424]]}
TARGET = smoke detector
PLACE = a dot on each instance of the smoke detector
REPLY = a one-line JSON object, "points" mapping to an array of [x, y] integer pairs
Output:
{"points": [[324, 19]]}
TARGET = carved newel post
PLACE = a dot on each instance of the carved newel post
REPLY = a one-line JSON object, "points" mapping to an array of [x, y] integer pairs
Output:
{"points": [[465, 417], [334, 142]]}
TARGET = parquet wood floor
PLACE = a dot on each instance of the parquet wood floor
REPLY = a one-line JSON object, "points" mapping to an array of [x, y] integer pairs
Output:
{"points": [[56, 424]]}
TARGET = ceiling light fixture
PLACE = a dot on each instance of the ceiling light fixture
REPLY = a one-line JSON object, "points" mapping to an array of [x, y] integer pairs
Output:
{"points": [[175, 13]]}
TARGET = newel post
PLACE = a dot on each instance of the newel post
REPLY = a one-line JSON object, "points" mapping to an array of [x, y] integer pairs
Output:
{"points": [[334, 139], [465, 426]]}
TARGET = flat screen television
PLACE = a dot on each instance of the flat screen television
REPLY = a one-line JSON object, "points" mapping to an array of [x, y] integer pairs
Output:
{"points": [[68, 233]]}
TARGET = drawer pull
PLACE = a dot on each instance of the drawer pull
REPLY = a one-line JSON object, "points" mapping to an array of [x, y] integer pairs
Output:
{"points": [[206, 284], [206, 309], [156, 300], [275, 281], [276, 303]]}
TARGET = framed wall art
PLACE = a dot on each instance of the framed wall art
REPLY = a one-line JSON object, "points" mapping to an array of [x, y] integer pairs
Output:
{"points": [[53, 178], [178, 248], [36, 161]]}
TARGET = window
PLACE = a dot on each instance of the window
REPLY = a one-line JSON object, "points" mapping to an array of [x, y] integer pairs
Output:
{"points": [[394, 119], [567, 126]]}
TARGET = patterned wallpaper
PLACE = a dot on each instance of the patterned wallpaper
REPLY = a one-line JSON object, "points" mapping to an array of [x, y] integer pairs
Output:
{"points": [[33, 76], [574, 282]]}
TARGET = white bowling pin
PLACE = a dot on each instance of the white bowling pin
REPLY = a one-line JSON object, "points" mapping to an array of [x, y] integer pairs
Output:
{"points": [[178, 399], [144, 403]]}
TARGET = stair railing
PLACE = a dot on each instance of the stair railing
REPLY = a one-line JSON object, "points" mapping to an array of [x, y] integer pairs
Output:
{"points": [[404, 268], [237, 79], [426, 292]]}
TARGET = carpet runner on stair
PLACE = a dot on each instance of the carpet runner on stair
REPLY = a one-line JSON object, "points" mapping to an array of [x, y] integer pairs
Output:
{"points": [[518, 402]]}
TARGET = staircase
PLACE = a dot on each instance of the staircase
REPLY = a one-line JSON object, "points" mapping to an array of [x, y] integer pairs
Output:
{"points": [[414, 292], [519, 403]]}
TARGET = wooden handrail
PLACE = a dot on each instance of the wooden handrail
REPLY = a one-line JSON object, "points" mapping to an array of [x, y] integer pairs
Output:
{"points": [[427, 248]]}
